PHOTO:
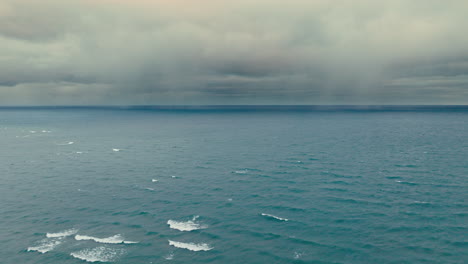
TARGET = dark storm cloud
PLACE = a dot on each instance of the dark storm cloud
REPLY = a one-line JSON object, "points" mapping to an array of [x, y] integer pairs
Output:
{"points": [[233, 52]]}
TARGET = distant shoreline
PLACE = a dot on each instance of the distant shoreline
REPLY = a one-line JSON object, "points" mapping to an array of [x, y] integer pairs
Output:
{"points": [[261, 108]]}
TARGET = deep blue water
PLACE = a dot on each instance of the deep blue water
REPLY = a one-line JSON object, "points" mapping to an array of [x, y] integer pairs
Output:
{"points": [[344, 186]]}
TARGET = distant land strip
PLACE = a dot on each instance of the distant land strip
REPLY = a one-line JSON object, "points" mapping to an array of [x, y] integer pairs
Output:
{"points": [[261, 108]]}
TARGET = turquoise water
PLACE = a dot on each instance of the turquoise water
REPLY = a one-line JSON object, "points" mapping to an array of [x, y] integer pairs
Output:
{"points": [[142, 186]]}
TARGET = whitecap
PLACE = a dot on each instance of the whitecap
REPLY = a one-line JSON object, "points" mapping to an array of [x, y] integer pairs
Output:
{"points": [[115, 149], [240, 171], [186, 226], [297, 255], [169, 256], [67, 143], [46, 245], [420, 202], [191, 246], [406, 182], [117, 239], [99, 254], [275, 217], [64, 233], [154, 180]]}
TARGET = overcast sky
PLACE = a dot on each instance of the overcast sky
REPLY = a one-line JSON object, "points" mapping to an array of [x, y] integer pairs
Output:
{"points": [[130, 52]]}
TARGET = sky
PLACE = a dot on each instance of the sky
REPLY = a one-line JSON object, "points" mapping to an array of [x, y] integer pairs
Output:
{"points": [[220, 52]]}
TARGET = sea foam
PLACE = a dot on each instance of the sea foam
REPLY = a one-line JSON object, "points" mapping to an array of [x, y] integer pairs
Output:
{"points": [[275, 217], [169, 256], [117, 239], [99, 254], [191, 246], [46, 245], [65, 144], [186, 226], [64, 233]]}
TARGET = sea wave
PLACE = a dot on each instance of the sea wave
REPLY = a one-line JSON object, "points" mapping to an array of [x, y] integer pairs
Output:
{"points": [[169, 256], [117, 239], [406, 182], [64, 233], [274, 217], [297, 255], [46, 245], [99, 254], [66, 143], [191, 246], [186, 226]]}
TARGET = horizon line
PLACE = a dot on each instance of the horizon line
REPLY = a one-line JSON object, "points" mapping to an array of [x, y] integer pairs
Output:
{"points": [[291, 108]]}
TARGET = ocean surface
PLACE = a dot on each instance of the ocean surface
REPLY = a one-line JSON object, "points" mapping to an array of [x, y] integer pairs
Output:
{"points": [[149, 185]]}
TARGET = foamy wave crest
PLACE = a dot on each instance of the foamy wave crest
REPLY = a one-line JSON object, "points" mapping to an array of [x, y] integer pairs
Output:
{"points": [[275, 217], [99, 254], [186, 226], [117, 239], [420, 202], [406, 182], [68, 143], [240, 171], [191, 246], [64, 233], [46, 245], [297, 255], [169, 256]]}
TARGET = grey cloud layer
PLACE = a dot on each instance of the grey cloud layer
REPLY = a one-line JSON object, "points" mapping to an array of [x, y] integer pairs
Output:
{"points": [[225, 52]]}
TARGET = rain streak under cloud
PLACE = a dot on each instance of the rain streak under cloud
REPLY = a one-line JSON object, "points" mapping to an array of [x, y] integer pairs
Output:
{"points": [[120, 52]]}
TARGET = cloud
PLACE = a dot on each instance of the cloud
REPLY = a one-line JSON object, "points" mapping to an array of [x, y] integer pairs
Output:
{"points": [[233, 52]]}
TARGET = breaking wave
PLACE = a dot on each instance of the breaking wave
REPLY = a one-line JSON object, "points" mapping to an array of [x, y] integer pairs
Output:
{"points": [[117, 239], [64, 233], [99, 254], [275, 217], [186, 226], [46, 245], [191, 246]]}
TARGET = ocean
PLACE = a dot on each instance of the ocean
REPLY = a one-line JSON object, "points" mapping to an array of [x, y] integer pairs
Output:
{"points": [[234, 185]]}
